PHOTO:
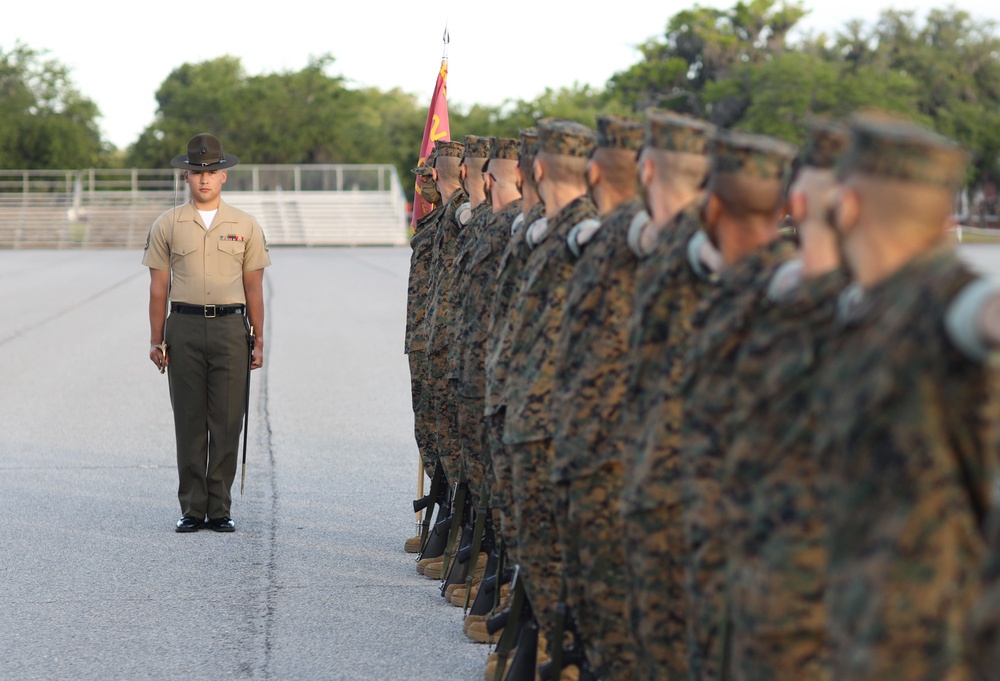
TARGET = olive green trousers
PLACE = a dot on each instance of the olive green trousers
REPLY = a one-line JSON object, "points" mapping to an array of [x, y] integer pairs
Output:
{"points": [[208, 380]]}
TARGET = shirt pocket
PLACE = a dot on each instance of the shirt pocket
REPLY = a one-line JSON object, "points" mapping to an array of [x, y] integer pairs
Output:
{"points": [[180, 249], [231, 257]]}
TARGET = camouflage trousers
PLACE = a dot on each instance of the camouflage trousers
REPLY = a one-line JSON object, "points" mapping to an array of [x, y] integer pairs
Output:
{"points": [[475, 454], [777, 616], [653, 547], [777, 561], [589, 522], [704, 575], [443, 404], [503, 492], [423, 417], [539, 552], [985, 633]]}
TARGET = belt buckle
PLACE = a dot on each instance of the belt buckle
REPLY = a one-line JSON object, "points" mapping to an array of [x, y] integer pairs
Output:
{"points": [[210, 316]]}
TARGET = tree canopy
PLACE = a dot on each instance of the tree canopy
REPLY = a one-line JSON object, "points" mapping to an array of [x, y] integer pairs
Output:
{"points": [[44, 121], [743, 67]]}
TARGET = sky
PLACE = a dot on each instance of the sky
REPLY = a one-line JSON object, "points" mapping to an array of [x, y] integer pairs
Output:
{"points": [[120, 52]]}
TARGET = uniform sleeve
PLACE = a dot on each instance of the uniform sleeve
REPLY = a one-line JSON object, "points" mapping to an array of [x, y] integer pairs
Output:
{"points": [[157, 252], [963, 318], [698, 248], [256, 256]]}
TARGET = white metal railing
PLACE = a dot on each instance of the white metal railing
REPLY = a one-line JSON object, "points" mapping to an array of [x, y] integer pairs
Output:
{"points": [[296, 205]]}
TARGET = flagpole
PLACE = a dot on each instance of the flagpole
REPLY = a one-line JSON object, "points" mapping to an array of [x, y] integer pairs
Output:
{"points": [[436, 128]]}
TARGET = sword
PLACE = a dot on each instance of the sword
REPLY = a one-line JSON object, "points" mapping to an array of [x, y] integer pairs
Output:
{"points": [[246, 415], [163, 360]]}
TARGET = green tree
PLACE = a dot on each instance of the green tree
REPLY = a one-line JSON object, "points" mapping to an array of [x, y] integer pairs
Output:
{"points": [[704, 45], [953, 58], [45, 123], [305, 116], [194, 98]]}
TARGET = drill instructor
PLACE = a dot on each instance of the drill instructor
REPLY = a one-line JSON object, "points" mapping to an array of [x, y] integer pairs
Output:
{"points": [[207, 258]]}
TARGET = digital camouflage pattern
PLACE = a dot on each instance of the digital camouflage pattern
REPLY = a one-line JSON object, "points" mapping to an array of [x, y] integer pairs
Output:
{"points": [[826, 143], [443, 407], [415, 342], [505, 148], [591, 362], [477, 287], [676, 132], [591, 355], [984, 624], [589, 521], [911, 458], [503, 491], [539, 551], [449, 148], [528, 137], [469, 426], [894, 148], [668, 290], [479, 294], [508, 280], [445, 248], [720, 325], [476, 147], [502, 317], [617, 132], [424, 420], [565, 138], [775, 534], [539, 305], [467, 238], [441, 395], [751, 156], [420, 277]]}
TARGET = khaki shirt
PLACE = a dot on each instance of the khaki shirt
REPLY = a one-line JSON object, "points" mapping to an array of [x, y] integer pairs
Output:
{"points": [[206, 266]]}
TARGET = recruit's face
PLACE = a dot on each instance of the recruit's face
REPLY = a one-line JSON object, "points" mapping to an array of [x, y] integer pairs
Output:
{"points": [[205, 185]]}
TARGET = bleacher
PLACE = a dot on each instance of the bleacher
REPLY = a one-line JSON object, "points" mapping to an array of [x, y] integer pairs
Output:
{"points": [[321, 205]]}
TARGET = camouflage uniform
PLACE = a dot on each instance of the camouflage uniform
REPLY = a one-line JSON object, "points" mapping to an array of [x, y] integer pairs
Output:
{"points": [[668, 289], [415, 342], [720, 326], [479, 293], [775, 534], [438, 336], [984, 631], [471, 426], [591, 373], [907, 445], [528, 426], [498, 337], [502, 319], [914, 474]]}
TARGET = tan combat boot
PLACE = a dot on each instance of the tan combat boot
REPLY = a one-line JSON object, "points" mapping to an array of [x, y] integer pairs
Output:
{"points": [[433, 570], [412, 545], [477, 632]]}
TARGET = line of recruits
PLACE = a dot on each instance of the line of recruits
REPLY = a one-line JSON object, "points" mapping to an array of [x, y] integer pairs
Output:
{"points": [[697, 405]]}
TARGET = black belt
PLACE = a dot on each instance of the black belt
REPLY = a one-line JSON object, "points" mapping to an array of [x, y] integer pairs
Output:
{"points": [[208, 311]]}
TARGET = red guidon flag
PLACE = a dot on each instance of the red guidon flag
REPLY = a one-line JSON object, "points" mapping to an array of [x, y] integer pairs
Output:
{"points": [[435, 129]]}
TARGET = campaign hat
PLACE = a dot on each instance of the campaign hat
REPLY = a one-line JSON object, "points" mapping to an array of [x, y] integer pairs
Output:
{"points": [[204, 152]]}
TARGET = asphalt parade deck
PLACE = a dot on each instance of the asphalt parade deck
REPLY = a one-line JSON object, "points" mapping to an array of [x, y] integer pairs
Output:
{"points": [[94, 582]]}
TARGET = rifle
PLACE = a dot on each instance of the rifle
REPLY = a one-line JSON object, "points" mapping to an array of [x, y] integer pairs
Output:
{"points": [[438, 496]]}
